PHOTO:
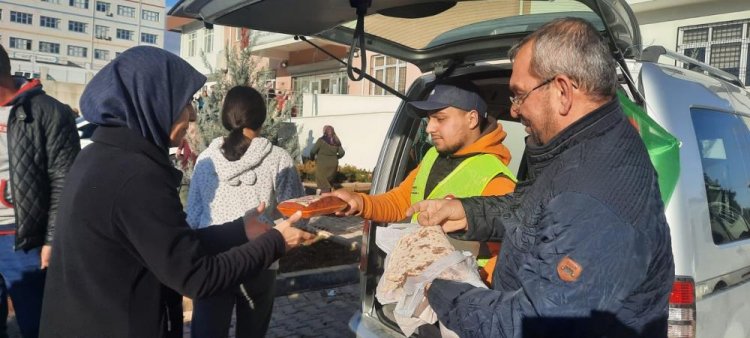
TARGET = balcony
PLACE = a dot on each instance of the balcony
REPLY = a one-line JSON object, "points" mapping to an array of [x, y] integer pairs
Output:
{"points": [[263, 38], [313, 105]]}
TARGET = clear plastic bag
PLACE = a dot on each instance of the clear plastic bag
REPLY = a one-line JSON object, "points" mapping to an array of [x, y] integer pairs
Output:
{"points": [[412, 308]]}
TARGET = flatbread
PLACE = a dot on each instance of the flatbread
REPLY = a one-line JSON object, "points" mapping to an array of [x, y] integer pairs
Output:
{"points": [[413, 254]]}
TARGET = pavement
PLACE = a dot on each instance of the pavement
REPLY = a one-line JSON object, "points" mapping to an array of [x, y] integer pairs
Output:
{"points": [[319, 313], [346, 231]]}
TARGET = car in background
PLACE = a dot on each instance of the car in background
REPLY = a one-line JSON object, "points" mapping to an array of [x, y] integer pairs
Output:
{"points": [[706, 109], [86, 129]]}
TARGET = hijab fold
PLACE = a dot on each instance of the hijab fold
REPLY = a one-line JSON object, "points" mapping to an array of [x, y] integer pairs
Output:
{"points": [[144, 89]]}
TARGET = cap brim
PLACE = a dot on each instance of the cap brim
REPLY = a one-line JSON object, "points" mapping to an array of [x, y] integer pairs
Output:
{"points": [[424, 108]]}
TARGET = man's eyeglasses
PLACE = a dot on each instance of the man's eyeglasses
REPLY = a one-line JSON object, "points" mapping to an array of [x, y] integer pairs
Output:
{"points": [[517, 101]]}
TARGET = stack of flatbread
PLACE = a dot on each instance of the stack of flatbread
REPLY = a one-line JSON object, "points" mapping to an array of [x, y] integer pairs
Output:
{"points": [[413, 254]]}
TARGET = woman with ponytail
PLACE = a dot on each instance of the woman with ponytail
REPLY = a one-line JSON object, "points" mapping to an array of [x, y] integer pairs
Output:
{"points": [[326, 152], [235, 172]]}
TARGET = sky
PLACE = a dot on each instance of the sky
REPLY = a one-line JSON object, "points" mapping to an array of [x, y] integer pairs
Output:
{"points": [[172, 39]]}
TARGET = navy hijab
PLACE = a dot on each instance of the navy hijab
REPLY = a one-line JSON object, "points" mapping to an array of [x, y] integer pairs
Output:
{"points": [[144, 89]]}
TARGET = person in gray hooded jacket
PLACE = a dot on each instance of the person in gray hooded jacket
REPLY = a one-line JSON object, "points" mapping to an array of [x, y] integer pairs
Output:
{"points": [[238, 171]]}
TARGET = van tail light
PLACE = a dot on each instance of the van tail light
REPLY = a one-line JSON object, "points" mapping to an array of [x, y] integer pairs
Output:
{"points": [[681, 321], [364, 245]]}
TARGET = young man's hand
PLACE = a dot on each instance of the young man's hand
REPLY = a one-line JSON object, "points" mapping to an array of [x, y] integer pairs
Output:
{"points": [[354, 200], [447, 213]]}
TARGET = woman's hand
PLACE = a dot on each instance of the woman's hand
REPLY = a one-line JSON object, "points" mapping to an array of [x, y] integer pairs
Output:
{"points": [[254, 227], [294, 237]]}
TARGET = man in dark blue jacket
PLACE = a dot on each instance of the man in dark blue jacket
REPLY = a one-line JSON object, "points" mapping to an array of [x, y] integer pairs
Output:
{"points": [[586, 249]]}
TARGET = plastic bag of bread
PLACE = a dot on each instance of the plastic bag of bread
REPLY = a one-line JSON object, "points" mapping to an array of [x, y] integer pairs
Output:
{"points": [[312, 206], [420, 255]]}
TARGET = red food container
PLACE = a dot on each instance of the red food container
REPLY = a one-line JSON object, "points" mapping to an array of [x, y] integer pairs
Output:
{"points": [[312, 206]]}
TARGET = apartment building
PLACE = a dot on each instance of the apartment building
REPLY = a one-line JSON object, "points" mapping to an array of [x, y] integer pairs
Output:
{"points": [[716, 32], [68, 41]]}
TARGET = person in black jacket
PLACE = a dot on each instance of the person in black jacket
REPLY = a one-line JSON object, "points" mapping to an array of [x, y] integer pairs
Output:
{"points": [[38, 143], [587, 249], [121, 231]]}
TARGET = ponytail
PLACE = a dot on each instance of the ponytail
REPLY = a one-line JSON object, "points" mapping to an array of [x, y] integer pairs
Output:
{"points": [[235, 145], [243, 108]]}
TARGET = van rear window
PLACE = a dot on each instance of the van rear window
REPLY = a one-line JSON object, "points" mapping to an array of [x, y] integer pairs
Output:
{"points": [[724, 145]]}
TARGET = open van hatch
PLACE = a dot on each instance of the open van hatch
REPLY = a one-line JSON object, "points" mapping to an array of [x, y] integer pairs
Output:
{"points": [[439, 32]]}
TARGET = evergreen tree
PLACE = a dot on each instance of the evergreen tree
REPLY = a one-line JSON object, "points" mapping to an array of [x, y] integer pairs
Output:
{"points": [[243, 69]]}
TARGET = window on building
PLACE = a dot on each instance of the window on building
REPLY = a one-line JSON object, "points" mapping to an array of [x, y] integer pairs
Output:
{"points": [[77, 51], [191, 43], [724, 146], [52, 1], [19, 43], [49, 47], [101, 32], [124, 34], [148, 38], [101, 54], [77, 26], [126, 11], [102, 6], [49, 22], [150, 15], [328, 83], [79, 3], [390, 71], [208, 40], [21, 17], [720, 45]]}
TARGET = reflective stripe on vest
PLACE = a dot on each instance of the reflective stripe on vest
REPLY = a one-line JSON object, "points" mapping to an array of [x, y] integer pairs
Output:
{"points": [[468, 179]]}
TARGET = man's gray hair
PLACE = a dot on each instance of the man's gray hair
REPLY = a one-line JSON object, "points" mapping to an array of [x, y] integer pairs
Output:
{"points": [[572, 47]]}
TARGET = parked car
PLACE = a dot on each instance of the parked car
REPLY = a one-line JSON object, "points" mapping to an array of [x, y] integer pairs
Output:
{"points": [[85, 130], [706, 109]]}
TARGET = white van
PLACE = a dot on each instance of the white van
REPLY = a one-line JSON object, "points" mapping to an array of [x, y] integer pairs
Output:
{"points": [[706, 109]]}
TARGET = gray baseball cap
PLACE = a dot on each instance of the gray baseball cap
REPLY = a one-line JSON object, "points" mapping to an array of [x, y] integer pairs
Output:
{"points": [[443, 96]]}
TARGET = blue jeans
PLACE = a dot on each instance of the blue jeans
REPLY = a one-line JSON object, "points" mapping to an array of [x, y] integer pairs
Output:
{"points": [[23, 281]]}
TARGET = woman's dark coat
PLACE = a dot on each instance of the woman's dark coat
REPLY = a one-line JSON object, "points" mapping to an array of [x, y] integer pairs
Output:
{"points": [[121, 231]]}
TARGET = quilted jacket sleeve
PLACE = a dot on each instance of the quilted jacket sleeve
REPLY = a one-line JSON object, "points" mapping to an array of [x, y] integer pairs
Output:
{"points": [[572, 227], [62, 147]]}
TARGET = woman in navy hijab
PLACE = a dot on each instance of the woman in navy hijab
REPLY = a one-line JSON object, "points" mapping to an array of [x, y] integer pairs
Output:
{"points": [[121, 232]]}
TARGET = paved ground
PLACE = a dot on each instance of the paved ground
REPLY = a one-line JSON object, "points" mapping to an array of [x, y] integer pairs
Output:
{"points": [[320, 313], [343, 230]]}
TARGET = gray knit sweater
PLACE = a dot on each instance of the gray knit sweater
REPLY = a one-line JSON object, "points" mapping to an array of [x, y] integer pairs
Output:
{"points": [[221, 191]]}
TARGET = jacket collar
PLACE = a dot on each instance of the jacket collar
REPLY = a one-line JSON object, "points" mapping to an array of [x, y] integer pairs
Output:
{"points": [[591, 125], [25, 89]]}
